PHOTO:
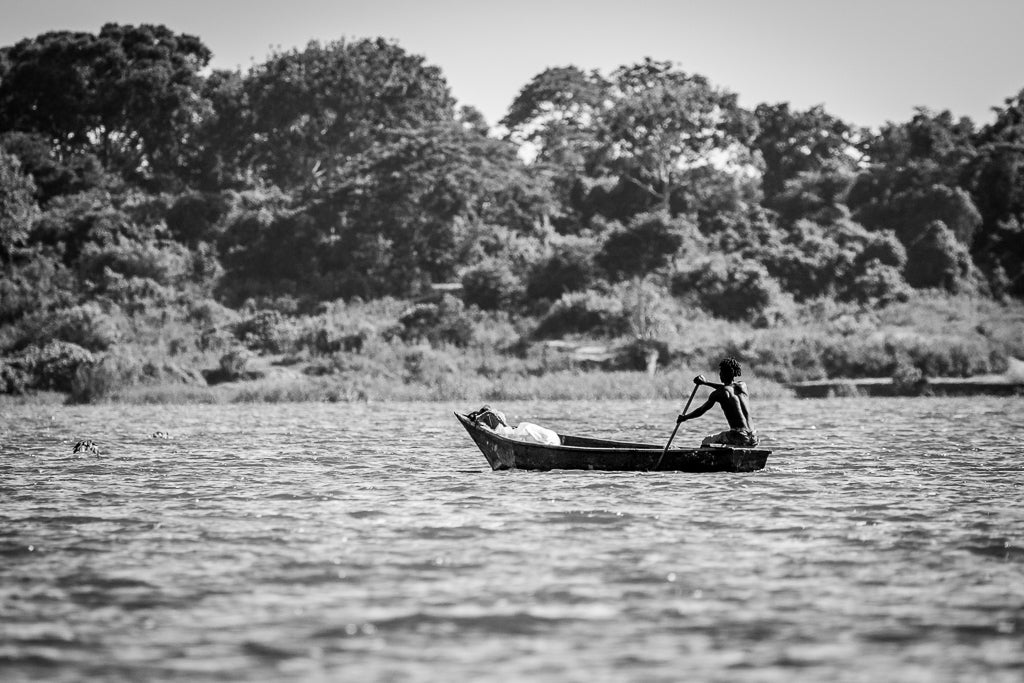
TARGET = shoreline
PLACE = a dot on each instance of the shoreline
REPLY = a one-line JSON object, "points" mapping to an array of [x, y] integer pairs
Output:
{"points": [[982, 385], [560, 386]]}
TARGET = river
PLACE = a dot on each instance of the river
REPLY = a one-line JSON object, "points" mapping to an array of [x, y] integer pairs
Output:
{"points": [[883, 542]]}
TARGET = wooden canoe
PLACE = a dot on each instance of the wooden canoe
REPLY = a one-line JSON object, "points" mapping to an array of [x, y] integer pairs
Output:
{"points": [[584, 453]]}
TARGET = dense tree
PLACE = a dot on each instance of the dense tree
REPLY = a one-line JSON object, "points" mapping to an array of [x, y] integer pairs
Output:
{"points": [[995, 179], [555, 120], [663, 122], [405, 213], [129, 95], [795, 142], [54, 174], [649, 243], [557, 113], [18, 206], [311, 109], [568, 266], [912, 187], [938, 259]]}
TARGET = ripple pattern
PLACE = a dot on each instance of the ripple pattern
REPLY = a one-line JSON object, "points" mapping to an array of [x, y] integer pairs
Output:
{"points": [[884, 541]]}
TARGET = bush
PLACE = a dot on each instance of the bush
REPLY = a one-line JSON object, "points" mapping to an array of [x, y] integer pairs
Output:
{"points": [[441, 323], [937, 259], [569, 269], [234, 363], [267, 331], [879, 284], [647, 244], [50, 367], [584, 313], [194, 217], [14, 378], [636, 354], [111, 372], [491, 286], [735, 290]]}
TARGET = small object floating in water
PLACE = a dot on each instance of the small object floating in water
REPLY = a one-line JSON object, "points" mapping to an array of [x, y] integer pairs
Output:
{"points": [[86, 446], [159, 435]]}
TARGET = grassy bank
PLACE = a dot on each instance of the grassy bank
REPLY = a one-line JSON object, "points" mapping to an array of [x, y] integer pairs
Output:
{"points": [[379, 351]]}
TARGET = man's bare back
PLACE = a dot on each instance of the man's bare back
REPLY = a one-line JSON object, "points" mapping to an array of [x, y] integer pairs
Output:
{"points": [[734, 398]]}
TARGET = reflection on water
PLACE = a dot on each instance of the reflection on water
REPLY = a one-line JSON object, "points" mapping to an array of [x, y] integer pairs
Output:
{"points": [[884, 541]]}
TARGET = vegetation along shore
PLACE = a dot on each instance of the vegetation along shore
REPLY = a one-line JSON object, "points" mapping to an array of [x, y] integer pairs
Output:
{"points": [[329, 225]]}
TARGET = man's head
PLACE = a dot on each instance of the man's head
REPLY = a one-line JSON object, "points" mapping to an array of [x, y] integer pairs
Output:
{"points": [[729, 369]]}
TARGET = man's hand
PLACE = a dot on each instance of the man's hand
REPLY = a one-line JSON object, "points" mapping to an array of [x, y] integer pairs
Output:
{"points": [[699, 379], [680, 420]]}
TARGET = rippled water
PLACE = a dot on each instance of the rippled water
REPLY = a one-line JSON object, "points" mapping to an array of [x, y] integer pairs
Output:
{"points": [[884, 541]]}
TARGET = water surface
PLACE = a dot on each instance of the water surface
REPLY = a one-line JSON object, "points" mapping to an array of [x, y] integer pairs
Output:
{"points": [[884, 541]]}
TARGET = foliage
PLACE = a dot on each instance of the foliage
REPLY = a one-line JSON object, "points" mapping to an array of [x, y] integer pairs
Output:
{"points": [[588, 313], [568, 267], [128, 94], [49, 367], [938, 259], [234, 363], [446, 322], [792, 143], [310, 109], [492, 286], [267, 331], [18, 208], [162, 217], [648, 244], [53, 172], [663, 121], [556, 112], [734, 289]]}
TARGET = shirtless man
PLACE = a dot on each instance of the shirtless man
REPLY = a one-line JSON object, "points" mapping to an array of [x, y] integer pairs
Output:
{"points": [[732, 396]]}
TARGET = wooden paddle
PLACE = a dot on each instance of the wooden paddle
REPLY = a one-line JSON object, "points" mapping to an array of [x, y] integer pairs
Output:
{"points": [[688, 402]]}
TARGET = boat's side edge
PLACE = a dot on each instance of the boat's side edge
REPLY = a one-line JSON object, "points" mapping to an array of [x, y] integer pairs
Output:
{"points": [[503, 453]]}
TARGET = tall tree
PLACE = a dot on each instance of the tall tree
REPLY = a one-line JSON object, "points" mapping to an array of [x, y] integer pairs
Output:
{"points": [[557, 113], [794, 142], [996, 182], [911, 185], [663, 122], [129, 95], [311, 109]]}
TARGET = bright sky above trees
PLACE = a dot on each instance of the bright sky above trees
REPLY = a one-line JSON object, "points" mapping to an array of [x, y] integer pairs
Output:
{"points": [[868, 61]]}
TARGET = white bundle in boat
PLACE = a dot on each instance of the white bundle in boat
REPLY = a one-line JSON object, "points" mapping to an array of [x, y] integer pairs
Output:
{"points": [[527, 431]]}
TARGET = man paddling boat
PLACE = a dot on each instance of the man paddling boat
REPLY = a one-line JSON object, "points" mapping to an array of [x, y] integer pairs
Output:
{"points": [[732, 396]]}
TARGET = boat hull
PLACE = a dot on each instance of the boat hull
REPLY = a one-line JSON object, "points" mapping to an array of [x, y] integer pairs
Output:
{"points": [[583, 453]]}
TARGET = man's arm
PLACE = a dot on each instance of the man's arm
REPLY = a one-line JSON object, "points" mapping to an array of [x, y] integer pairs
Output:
{"points": [[697, 412], [699, 380]]}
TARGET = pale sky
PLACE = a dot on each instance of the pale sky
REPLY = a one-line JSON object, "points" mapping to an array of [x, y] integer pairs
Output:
{"points": [[866, 61]]}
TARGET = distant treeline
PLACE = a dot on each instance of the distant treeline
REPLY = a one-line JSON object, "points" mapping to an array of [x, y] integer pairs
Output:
{"points": [[140, 189]]}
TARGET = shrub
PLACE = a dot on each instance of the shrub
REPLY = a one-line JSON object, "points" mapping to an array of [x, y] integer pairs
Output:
{"points": [[441, 323], [49, 367], [569, 269], [636, 354], [735, 290], [267, 331], [14, 378], [647, 244], [937, 259], [194, 217], [879, 284], [584, 313], [234, 363], [428, 367], [491, 286], [111, 372]]}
